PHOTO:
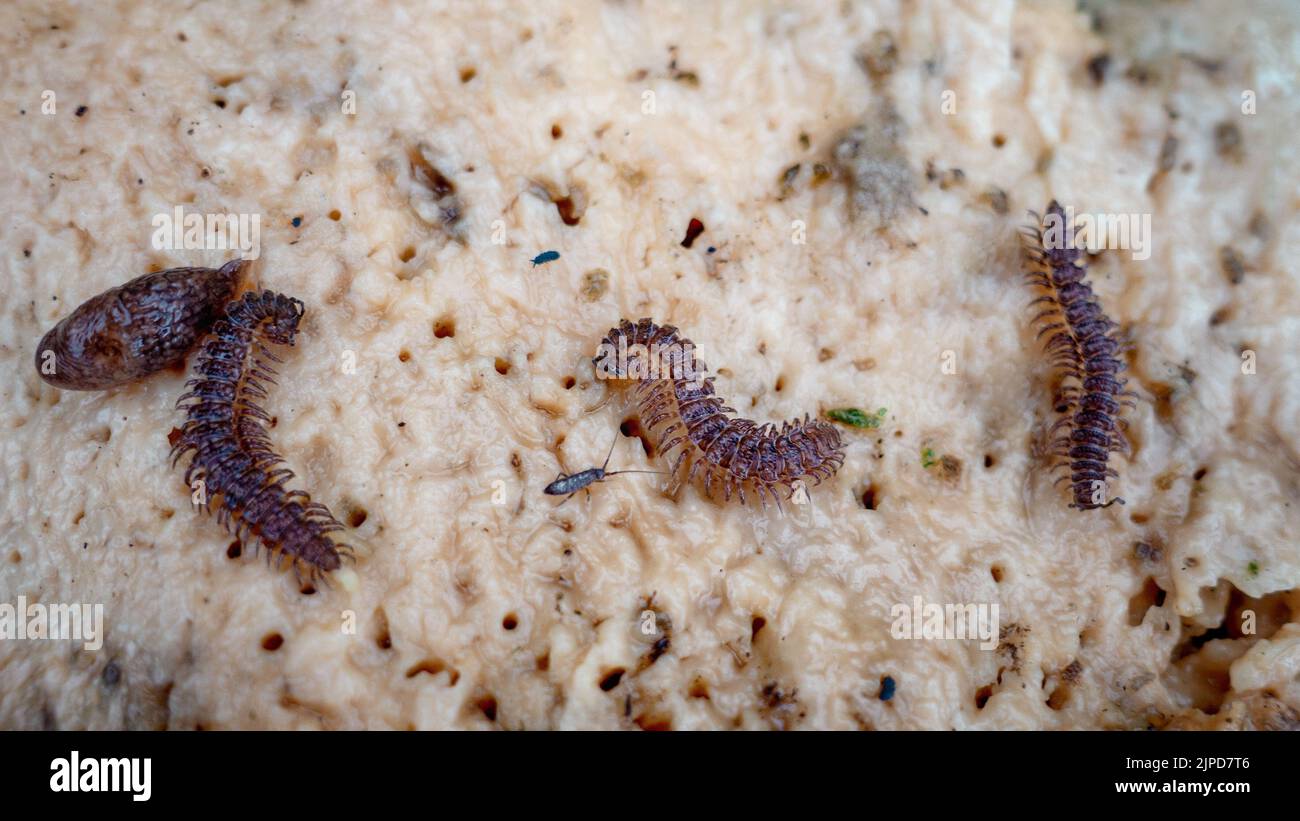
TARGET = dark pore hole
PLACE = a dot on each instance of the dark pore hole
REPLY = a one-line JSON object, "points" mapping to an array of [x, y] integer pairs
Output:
{"points": [[870, 497], [433, 667], [383, 639], [611, 679], [568, 211], [632, 427], [1149, 596], [1059, 697]]}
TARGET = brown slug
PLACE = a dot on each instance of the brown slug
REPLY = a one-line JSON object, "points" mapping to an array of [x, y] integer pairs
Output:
{"points": [[137, 328]]}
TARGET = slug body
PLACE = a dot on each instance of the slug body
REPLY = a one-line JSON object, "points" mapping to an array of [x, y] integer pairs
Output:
{"points": [[1082, 346], [135, 329], [677, 403], [233, 457]]}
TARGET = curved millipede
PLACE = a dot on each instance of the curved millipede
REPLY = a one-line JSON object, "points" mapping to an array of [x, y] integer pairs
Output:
{"points": [[1081, 344], [677, 402], [232, 453], [135, 329]]}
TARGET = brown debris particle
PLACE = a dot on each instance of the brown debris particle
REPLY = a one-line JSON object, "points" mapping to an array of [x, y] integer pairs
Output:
{"points": [[1011, 640], [594, 284], [1227, 141], [1168, 154], [1044, 161], [693, 229], [1259, 226], [1140, 73], [434, 189], [1097, 67], [996, 199], [949, 468], [779, 706], [1148, 552], [787, 181], [869, 159], [1231, 264], [879, 57]]}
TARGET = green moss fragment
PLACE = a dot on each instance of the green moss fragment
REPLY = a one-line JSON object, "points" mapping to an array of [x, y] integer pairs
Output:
{"points": [[855, 417]]}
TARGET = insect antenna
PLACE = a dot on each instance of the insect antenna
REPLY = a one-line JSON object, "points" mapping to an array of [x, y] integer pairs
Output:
{"points": [[617, 472], [612, 443]]}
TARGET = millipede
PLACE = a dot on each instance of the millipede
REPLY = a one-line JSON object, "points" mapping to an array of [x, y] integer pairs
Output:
{"points": [[232, 453], [1081, 345], [677, 403]]}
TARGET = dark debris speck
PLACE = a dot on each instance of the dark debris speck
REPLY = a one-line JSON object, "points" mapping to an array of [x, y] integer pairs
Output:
{"points": [[1097, 67]]}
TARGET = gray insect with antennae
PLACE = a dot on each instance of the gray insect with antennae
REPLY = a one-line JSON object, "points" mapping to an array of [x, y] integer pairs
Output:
{"points": [[567, 484]]}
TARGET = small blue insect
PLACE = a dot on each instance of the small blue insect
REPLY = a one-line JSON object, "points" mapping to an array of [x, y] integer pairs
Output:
{"points": [[545, 257], [886, 688], [568, 484]]}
